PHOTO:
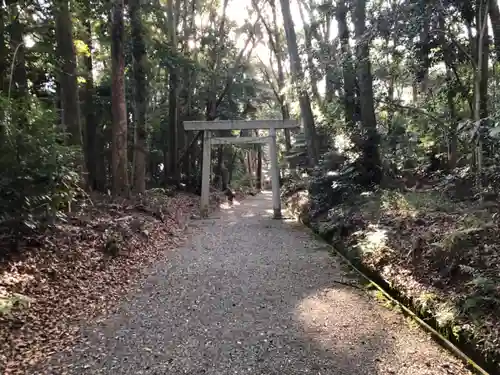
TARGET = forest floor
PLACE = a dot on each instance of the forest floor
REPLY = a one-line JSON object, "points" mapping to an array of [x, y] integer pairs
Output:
{"points": [[442, 255], [80, 269]]}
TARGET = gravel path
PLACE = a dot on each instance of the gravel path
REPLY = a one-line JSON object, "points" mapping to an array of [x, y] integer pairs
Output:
{"points": [[252, 295]]}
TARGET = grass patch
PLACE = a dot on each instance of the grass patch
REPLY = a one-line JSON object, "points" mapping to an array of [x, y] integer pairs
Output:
{"points": [[10, 302], [426, 301], [388, 303]]}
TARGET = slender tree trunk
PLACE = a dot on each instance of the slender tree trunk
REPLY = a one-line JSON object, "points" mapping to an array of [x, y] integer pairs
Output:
{"points": [[494, 13], [249, 166], [94, 143], [310, 59], [211, 114], [333, 82], [120, 184], [68, 75], [350, 105], [172, 100], [484, 71], [140, 95], [211, 111], [453, 136], [298, 78], [481, 80], [285, 111], [219, 165], [254, 162], [423, 71], [371, 156], [450, 97], [181, 134], [3, 64], [259, 167], [481, 53], [3, 49], [393, 63], [18, 88], [188, 78], [231, 166]]}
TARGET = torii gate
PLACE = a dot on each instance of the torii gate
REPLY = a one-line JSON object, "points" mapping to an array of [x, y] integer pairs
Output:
{"points": [[208, 140]]}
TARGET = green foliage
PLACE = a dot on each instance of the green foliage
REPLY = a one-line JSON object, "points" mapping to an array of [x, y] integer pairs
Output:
{"points": [[39, 176]]}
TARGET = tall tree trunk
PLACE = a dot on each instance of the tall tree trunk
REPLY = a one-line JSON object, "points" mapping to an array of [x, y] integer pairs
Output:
{"points": [[181, 134], [298, 78], [370, 149], [350, 105], [453, 136], [333, 83], [120, 184], [249, 166], [450, 97], [259, 167], [494, 13], [481, 54], [140, 95], [231, 166], [19, 84], [173, 169], [94, 143], [393, 64], [310, 59], [215, 57], [211, 111], [68, 75], [424, 61], [3, 49], [188, 78], [285, 111], [484, 51], [481, 80]]}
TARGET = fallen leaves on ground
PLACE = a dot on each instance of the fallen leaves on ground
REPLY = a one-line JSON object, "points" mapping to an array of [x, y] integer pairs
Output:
{"points": [[80, 270]]}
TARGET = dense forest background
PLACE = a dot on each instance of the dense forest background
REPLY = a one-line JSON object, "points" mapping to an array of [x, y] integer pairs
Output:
{"points": [[392, 95], [94, 94]]}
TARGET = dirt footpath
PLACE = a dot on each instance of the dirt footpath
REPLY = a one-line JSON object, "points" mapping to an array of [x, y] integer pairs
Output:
{"points": [[252, 295]]}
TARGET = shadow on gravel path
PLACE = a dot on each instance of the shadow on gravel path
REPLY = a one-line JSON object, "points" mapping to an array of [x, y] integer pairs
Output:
{"points": [[252, 295]]}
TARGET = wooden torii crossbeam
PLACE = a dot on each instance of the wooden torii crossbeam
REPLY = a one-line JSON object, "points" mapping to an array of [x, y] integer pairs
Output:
{"points": [[208, 140]]}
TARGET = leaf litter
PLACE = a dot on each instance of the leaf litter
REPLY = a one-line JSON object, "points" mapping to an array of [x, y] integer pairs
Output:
{"points": [[81, 268]]}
